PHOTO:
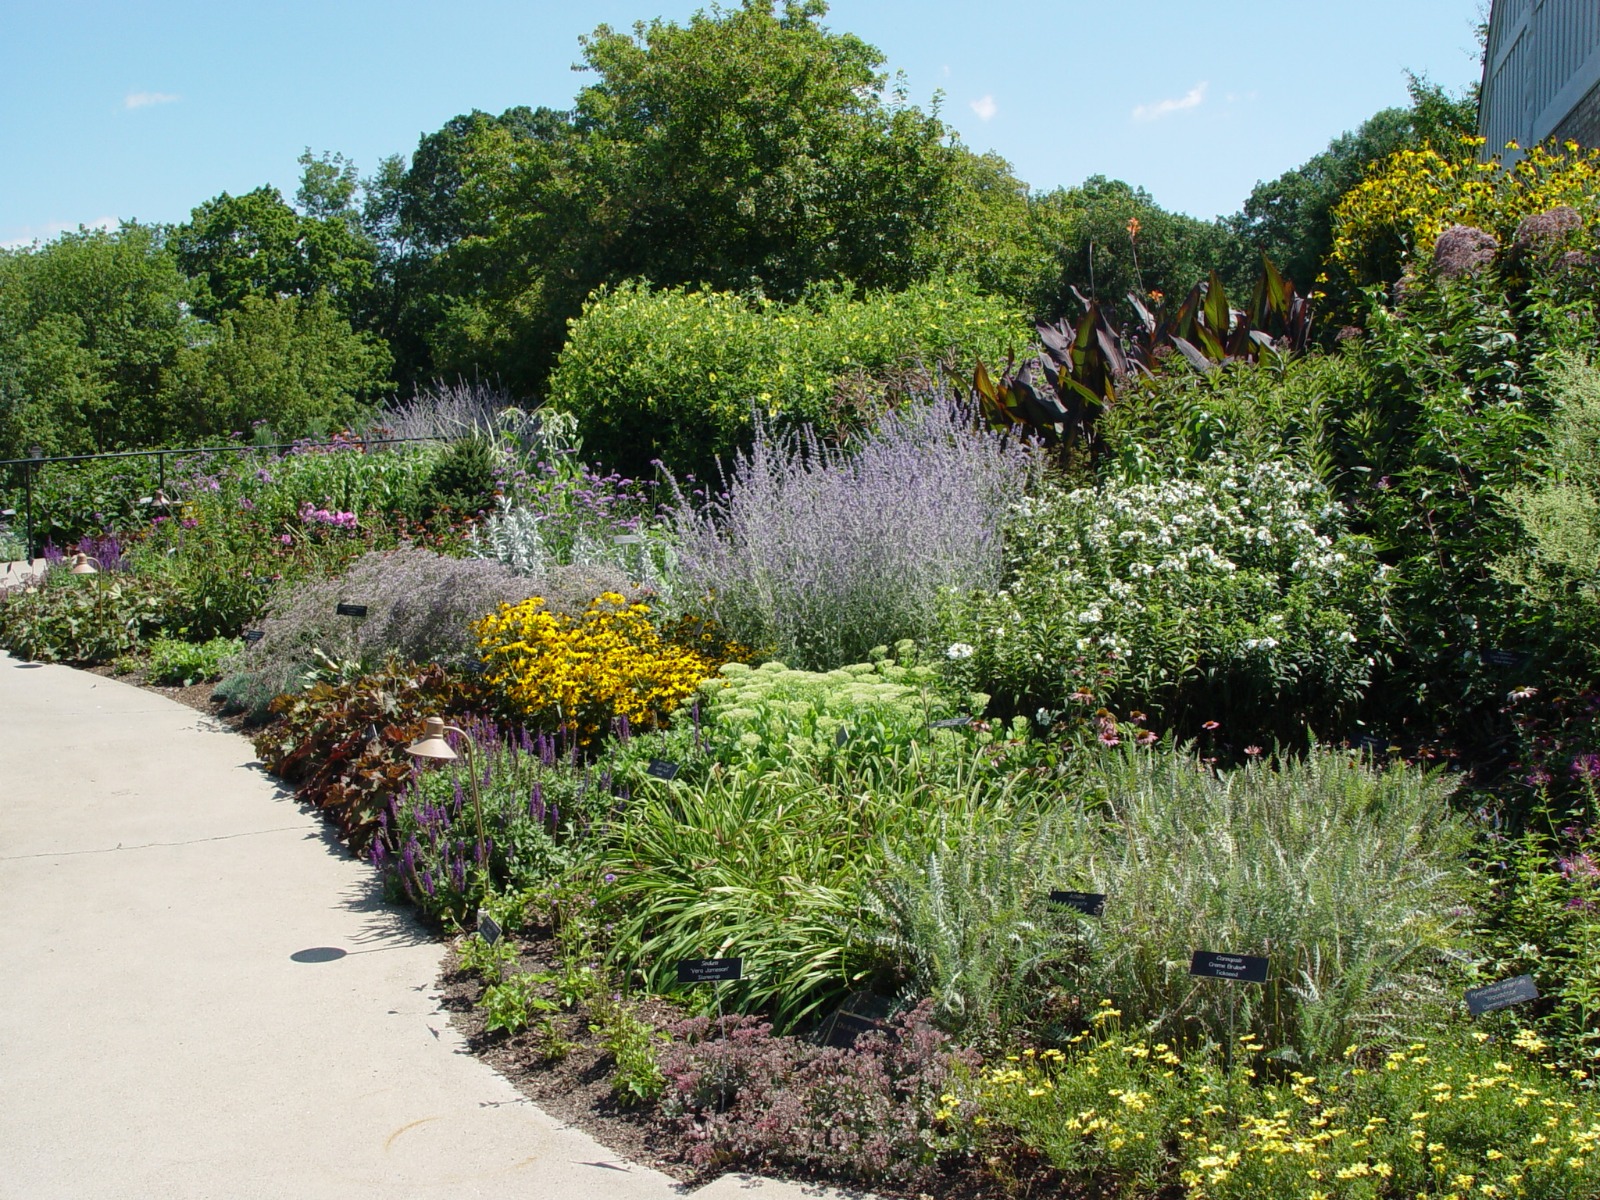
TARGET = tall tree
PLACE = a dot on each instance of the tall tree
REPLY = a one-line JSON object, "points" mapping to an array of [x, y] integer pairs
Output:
{"points": [[257, 245], [89, 323], [750, 149]]}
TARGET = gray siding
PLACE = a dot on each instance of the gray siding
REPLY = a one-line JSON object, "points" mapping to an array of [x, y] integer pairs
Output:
{"points": [[1541, 73]]}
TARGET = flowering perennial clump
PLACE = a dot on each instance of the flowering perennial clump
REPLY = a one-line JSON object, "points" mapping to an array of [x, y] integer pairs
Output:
{"points": [[582, 673], [1397, 213], [1235, 594], [1448, 1119]]}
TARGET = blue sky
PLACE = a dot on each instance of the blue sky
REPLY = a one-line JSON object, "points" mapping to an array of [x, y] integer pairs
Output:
{"points": [[144, 109]]}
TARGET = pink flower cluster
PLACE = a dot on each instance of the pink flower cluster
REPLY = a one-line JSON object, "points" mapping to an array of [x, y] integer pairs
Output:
{"points": [[311, 515]]}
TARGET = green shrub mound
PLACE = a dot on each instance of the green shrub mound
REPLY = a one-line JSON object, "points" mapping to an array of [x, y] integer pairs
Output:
{"points": [[678, 375]]}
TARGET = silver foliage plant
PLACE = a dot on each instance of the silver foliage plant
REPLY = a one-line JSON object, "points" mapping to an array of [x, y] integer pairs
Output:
{"points": [[1349, 879], [419, 607], [516, 536], [450, 412], [820, 554]]}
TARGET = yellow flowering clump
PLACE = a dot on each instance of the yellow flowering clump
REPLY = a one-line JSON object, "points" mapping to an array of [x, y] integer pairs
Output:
{"points": [[1429, 1120], [582, 673], [1394, 216]]}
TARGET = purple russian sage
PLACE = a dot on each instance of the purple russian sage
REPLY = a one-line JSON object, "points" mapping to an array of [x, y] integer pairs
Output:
{"points": [[826, 553]]}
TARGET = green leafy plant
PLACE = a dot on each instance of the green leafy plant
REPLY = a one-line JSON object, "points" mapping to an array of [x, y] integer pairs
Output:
{"points": [[508, 1006], [81, 618], [488, 960], [180, 663], [773, 714], [678, 375], [634, 1046]]}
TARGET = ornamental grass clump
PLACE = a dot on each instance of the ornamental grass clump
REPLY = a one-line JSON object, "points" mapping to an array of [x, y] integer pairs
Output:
{"points": [[821, 554], [581, 674]]}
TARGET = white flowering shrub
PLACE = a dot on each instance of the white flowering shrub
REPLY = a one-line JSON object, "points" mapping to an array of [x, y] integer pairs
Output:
{"points": [[1232, 595]]}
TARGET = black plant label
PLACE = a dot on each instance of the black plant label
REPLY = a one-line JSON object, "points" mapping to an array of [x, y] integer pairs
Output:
{"points": [[488, 928], [252, 636], [1241, 968], [950, 723], [1090, 904], [1501, 995], [1503, 658], [710, 970], [350, 610], [660, 768]]}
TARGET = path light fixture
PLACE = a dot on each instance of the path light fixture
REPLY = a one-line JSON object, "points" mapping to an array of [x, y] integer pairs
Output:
{"points": [[432, 744], [84, 564]]}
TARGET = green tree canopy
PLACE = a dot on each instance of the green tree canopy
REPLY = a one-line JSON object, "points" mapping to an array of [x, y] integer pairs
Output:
{"points": [[749, 150], [1104, 255], [88, 325], [257, 245], [292, 362]]}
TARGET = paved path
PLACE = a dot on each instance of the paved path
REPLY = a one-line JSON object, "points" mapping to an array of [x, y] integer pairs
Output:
{"points": [[163, 1032]]}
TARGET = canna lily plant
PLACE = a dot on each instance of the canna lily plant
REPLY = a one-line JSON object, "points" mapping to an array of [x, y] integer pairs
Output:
{"points": [[1060, 392]]}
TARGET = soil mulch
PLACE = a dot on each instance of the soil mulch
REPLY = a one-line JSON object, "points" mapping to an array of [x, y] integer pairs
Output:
{"points": [[576, 1089]]}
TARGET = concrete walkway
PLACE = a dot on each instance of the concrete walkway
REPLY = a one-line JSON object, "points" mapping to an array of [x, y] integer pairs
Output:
{"points": [[167, 1025]]}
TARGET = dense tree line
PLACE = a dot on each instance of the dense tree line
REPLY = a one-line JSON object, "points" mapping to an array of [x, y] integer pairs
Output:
{"points": [[751, 151]]}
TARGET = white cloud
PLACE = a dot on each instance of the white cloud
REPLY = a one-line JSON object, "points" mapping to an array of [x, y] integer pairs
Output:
{"points": [[27, 235], [1193, 98], [146, 99], [985, 107]]}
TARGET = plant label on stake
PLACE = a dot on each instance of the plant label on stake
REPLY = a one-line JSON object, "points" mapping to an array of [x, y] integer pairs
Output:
{"points": [[1240, 968], [488, 928], [841, 737], [1090, 904], [1237, 968], [710, 970], [660, 768], [1503, 658], [950, 723], [628, 539], [1501, 995], [252, 636], [350, 610]]}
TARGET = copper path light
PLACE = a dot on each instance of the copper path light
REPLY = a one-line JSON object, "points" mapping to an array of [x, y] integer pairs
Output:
{"points": [[432, 744]]}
